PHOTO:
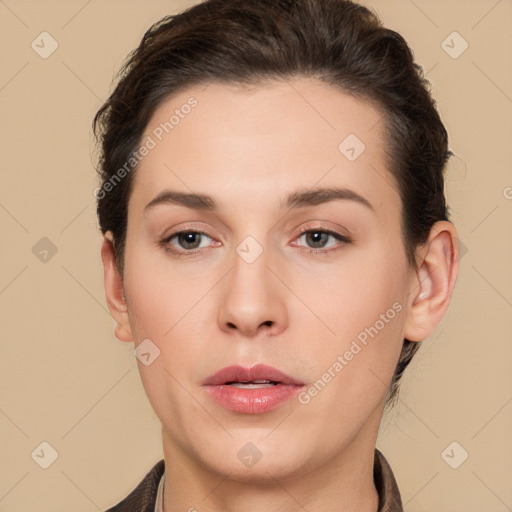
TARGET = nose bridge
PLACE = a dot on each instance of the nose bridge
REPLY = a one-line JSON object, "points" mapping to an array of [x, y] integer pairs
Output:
{"points": [[250, 276]]}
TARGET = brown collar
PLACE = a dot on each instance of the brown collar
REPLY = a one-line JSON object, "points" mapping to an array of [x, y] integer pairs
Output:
{"points": [[389, 495], [143, 497]]}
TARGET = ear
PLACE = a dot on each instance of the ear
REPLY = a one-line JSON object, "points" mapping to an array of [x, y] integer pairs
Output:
{"points": [[114, 291], [433, 281]]}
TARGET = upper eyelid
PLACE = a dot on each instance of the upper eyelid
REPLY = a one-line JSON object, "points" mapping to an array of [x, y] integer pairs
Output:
{"points": [[307, 229]]}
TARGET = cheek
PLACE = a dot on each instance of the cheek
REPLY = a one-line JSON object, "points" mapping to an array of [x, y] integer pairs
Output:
{"points": [[362, 303], [164, 309], [173, 309], [160, 296], [352, 294]]}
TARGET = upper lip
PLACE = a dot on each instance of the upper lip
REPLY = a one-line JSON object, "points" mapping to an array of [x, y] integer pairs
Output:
{"points": [[238, 373]]}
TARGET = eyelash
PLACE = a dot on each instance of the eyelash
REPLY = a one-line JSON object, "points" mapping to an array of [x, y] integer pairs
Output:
{"points": [[165, 243]]}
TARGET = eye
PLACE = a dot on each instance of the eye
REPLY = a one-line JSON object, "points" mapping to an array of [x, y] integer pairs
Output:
{"points": [[319, 239], [185, 242]]}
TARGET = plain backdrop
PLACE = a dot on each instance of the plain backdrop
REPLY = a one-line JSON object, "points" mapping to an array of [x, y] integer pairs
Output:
{"points": [[66, 381]]}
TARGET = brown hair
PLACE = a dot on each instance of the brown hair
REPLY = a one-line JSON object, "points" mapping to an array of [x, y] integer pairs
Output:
{"points": [[251, 41]]}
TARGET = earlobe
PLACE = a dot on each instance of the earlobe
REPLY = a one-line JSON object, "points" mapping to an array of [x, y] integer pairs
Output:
{"points": [[114, 291], [433, 282]]}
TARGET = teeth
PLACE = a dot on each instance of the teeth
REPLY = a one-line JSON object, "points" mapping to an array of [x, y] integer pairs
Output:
{"points": [[256, 384]]}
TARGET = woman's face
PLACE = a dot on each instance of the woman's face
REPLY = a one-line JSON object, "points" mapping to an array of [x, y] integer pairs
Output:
{"points": [[294, 261]]}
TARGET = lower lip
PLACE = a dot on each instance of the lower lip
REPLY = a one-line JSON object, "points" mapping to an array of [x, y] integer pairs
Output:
{"points": [[252, 401]]}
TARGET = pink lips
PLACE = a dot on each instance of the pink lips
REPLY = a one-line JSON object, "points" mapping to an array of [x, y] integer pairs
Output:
{"points": [[255, 400]]}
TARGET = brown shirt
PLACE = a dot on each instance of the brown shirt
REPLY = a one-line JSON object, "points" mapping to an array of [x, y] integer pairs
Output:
{"points": [[143, 497]]}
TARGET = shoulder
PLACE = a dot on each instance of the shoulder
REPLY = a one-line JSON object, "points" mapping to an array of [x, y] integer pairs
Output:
{"points": [[143, 497]]}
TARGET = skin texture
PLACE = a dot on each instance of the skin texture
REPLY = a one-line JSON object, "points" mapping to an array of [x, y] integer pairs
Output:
{"points": [[292, 308]]}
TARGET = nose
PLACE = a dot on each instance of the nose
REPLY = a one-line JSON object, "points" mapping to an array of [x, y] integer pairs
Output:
{"points": [[253, 299]]}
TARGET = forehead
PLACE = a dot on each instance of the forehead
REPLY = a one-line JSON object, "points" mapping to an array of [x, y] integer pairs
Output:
{"points": [[289, 134]]}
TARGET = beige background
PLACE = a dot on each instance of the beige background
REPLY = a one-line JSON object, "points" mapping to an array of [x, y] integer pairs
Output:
{"points": [[66, 380]]}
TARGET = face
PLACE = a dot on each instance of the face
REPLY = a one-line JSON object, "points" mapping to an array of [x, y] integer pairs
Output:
{"points": [[295, 260]]}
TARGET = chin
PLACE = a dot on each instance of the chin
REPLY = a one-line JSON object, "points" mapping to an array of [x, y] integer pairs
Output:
{"points": [[258, 459]]}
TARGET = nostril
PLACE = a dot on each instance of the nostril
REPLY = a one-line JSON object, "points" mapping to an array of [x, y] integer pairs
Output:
{"points": [[268, 323]]}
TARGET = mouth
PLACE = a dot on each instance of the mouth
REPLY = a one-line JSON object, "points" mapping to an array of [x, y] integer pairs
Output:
{"points": [[260, 375], [253, 390]]}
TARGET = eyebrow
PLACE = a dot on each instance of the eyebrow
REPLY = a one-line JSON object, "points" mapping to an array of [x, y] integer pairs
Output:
{"points": [[299, 199]]}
